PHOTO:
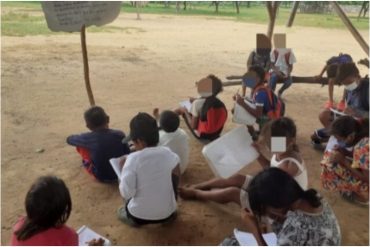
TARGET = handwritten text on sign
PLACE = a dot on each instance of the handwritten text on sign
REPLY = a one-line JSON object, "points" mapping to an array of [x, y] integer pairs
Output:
{"points": [[70, 16]]}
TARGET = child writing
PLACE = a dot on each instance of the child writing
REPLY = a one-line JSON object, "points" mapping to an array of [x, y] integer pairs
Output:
{"points": [[99, 145], [48, 206], [149, 176], [173, 137], [233, 189], [268, 105], [208, 114]]}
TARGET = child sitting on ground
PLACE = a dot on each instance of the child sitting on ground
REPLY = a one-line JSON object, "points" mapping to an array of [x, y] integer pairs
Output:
{"points": [[48, 206], [173, 137], [268, 105], [208, 114], [233, 189], [149, 177], [99, 145]]}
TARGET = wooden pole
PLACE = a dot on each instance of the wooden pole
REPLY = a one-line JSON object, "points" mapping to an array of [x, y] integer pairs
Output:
{"points": [[295, 79], [292, 14], [272, 8], [350, 27], [86, 66]]}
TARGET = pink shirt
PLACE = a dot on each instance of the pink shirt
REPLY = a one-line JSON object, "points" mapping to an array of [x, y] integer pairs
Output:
{"points": [[52, 236]]}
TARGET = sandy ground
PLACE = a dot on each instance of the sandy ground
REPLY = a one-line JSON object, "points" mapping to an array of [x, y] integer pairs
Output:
{"points": [[154, 63]]}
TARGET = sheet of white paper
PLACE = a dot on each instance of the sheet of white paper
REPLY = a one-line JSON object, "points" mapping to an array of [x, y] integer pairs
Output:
{"points": [[230, 153], [186, 104], [247, 239], [241, 116], [337, 113], [114, 162], [331, 143], [85, 235]]}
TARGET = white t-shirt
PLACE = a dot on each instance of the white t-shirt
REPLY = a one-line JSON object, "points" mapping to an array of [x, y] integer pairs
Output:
{"points": [[196, 106], [281, 62], [178, 142], [146, 179]]}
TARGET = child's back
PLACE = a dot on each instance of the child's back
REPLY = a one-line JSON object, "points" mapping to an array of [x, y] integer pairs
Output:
{"points": [[99, 145]]}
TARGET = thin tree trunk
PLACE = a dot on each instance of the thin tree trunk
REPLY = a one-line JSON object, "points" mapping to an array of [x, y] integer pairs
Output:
{"points": [[272, 8], [292, 14], [237, 7], [138, 5]]}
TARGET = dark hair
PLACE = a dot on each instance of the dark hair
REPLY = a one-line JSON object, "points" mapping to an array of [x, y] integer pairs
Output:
{"points": [[259, 71], [275, 188], [169, 121], [345, 70], [96, 117], [346, 125], [144, 127], [211, 101], [48, 204], [283, 127]]}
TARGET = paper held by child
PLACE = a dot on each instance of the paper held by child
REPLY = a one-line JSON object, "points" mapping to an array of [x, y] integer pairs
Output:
{"points": [[230, 153], [337, 113], [241, 116], [247, 239], [86, 237], [117, 167], [186, 104]]}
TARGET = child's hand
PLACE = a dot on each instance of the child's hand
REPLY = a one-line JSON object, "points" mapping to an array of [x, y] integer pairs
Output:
{"points": [[336, 157], [191, 99], [249, 220], [239, 99], [122, 160], [257, 146], [349, 111], [156, 113]]}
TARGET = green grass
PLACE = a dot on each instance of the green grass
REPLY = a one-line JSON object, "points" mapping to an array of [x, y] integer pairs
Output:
{"points": [[26, 18]]}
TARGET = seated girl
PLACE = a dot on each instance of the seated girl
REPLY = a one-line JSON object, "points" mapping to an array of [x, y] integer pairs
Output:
{"points": [[299, 217], [208, 114], [346, 172], [233, 189], [48, 206]]}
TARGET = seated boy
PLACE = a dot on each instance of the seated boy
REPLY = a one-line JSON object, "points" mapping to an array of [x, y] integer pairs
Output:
{"points": [[99, 145], [208, 114], [173, 137], [268, 105], [356, 97], [149, 176]]}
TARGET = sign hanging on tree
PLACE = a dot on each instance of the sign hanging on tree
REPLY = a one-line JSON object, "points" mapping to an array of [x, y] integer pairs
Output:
{"points": [[71, 16]]}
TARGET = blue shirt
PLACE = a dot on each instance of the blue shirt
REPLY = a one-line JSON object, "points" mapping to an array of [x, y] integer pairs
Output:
{"points": [[102, 145], [358, 99], [261, 98]]}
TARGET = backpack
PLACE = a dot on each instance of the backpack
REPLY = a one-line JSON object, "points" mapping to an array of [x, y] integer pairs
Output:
{"points": [[341, 59], [286, 56], [212, 118], [277, 105]]}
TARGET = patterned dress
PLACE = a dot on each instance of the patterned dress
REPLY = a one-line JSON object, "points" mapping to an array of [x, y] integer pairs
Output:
{"points": [[335, 177]]}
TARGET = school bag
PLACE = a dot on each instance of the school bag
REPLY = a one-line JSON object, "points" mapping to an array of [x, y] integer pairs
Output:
{"points": [[212, 118], [286, 56], [277, 105], [340, 59]]}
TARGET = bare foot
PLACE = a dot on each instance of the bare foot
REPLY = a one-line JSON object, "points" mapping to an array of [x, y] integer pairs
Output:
{"points": [[187, 193]]}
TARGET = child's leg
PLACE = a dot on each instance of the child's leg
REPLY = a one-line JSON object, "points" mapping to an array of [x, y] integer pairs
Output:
{"points": [[287, 83], [331, 89], [273, 81], [326, 118], [236, 180], [225, 195], [243, 90]]}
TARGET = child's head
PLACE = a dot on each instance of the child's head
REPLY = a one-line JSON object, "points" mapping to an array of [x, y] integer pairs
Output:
{"points": [[209, 86], [169, 121], [272, 193], [259, 73], [348, 75], [283, 128], [48, 204], [144, 131], [348, 130], [96, 118]]}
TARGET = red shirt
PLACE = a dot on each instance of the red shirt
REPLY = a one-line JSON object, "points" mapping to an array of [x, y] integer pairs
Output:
{"points": [[52, 236]]}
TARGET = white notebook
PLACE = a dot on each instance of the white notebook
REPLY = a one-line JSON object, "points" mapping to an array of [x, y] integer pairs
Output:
{"points": [[247, 239], [241, 116], [114, 162], [187, 104], [85, 235]]}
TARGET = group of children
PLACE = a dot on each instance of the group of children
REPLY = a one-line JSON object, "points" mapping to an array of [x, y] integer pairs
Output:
{"points": [[277, 198]]}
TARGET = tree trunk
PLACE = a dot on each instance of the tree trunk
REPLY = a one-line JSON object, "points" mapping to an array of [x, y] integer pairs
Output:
{"points": [[248, 4], [292, 14], [272, 8], [216, 3], [138, 5], [237, 7], [184, 5], [177, 7]]}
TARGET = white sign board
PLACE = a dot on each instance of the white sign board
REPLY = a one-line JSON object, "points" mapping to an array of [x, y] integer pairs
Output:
{"points": [[71, 16]]}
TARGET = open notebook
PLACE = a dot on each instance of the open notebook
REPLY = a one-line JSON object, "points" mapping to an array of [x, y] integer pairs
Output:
{"points": [[114, 162], [187, 104], [241, 116], [247, 239], [85, 235], [231, 152]]}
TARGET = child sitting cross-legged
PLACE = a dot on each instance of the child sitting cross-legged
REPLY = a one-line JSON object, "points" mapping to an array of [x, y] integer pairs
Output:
{"points": [[233, 189], [99, 145], [149, 176]]}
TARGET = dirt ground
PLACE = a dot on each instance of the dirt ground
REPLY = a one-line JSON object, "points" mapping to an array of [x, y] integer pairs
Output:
{"points": [[153, 63]]}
